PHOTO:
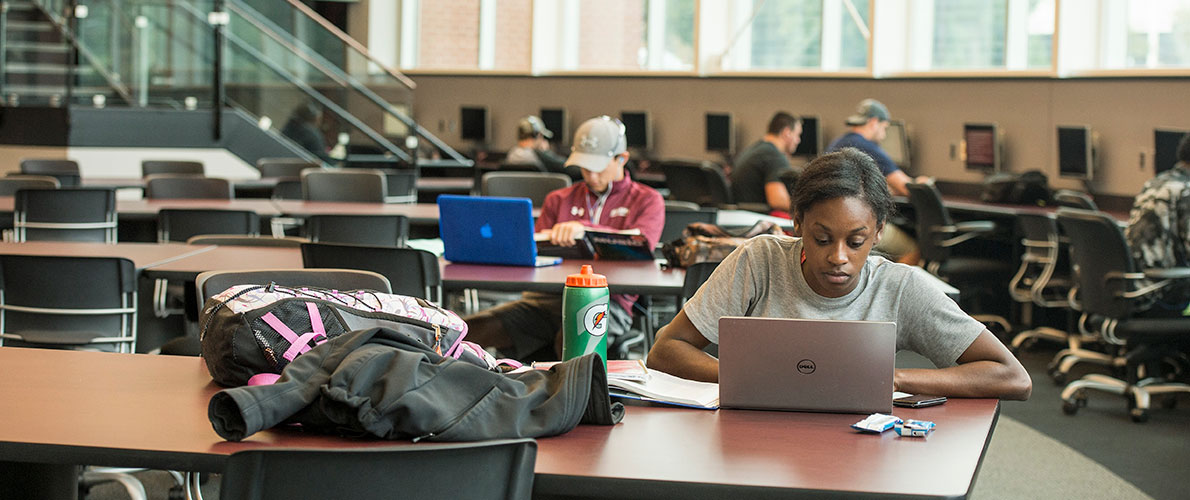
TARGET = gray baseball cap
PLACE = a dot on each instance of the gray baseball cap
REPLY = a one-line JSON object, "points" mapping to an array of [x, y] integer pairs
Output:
{"points": [[596, 142], [868, 109], [530, 126]]}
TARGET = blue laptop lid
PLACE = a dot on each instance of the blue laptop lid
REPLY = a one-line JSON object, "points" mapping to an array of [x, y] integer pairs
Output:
{"points": [[487, 230]]}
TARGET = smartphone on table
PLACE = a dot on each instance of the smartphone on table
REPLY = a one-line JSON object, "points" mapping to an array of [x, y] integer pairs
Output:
{"points": [[919, 401]]}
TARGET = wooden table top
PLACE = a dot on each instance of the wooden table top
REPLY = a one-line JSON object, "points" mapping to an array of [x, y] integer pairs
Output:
{"points": [[150, 411], [142, 255]]}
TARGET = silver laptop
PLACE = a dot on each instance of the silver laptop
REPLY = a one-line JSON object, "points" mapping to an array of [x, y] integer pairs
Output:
{"points": [[806, 365]]}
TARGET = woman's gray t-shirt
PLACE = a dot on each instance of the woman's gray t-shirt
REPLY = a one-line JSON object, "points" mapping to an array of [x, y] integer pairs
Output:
{"points": [[763, 277]]}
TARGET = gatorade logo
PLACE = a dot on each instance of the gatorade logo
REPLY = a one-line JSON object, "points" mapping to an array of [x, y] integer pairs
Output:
{"points": [[595, 320]]}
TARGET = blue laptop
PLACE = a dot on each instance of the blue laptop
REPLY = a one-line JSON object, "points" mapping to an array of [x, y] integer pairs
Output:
{"points": [[489, 230]]}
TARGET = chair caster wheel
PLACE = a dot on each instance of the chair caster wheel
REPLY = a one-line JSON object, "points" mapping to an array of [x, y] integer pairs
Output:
{"points": [[1138, 415], [1069, 407], [1059, 377]]}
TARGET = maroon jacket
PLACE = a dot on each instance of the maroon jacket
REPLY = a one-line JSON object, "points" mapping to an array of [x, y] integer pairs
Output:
{"points": [[627, 205]]}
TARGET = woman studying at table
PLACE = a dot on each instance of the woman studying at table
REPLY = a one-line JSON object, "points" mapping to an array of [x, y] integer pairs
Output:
{"points": [[841, 204]]}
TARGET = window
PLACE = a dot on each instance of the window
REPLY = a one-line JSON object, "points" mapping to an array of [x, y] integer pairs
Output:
{"points": [[460, 34], [1158, 34], [610, 35]]}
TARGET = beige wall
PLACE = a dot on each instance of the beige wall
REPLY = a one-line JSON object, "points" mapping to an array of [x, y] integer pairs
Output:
{"points": [[1123, 112]]}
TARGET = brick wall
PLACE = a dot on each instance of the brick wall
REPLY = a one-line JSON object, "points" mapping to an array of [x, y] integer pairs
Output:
{"points": [[449, 34], [611, 34], [514, 21]]}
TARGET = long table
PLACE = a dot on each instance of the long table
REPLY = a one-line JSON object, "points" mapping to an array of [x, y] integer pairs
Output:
{"points": [[142, 255], [68, 407]]}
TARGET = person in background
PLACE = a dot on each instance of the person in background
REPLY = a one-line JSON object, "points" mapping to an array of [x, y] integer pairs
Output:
{"points": [[533, 148], [1158, 230], [866, 128], [756, 174], [530, 329], [841, 204], [303, 128]]}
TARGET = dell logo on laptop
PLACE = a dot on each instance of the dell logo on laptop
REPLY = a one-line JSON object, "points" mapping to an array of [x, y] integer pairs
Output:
{"points": [[805, 366]]}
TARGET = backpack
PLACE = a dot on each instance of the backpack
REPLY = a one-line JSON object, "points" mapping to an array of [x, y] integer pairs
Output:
{"points": [[1026, 188], [703, 242], [257, 330]]}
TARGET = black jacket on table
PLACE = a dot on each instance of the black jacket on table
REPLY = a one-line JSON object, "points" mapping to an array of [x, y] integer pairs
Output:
{"points": [[377, 382]]}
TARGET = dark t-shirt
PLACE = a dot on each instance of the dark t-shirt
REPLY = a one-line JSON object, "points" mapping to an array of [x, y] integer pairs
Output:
{"points": [[854, 140], [758, 165]]}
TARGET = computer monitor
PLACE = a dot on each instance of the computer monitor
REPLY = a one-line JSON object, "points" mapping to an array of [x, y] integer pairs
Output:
{"points": [[555, 120], [474, 123], [981, 147], [720, 133], [896, 143], [1075, 152], [1165, 151], [637, 129], [811, 145]]}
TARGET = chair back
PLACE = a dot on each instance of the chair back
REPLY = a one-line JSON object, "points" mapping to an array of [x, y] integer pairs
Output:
{"points": [[68, 301], [357, 184], [10, 184], [1097, 249], [1074, 199], [486, 470], [287, 188], [244, 240], [151, 167], [520, 167], [409, 271], [697, 182], [66, 171], [176, 224], [931, 217], [532, 185], [375, 230], [401, 185], [184, 186], [696, 275], [75, 214], [284, 167], [210, 283], [1039, 257], [676, 220]]}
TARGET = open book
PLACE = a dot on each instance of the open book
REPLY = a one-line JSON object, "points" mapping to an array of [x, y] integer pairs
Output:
{"points": [[608, 244], [662, 387], [617, 369]]}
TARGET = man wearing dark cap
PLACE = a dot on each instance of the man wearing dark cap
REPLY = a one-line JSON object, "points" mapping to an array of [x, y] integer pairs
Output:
{"points": [[867, 128], [528, 329], [533, 148]]}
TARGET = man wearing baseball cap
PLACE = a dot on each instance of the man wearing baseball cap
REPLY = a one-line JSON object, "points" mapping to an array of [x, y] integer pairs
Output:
{"points": [[533, 148], [529, 329]]}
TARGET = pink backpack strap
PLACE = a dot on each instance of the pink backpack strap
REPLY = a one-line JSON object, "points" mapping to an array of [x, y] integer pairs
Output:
{"points": [[299, 344]]}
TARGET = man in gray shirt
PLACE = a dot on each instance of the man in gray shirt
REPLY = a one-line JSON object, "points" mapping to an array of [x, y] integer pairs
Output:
{"points": [[841, 204], [756, 174]]}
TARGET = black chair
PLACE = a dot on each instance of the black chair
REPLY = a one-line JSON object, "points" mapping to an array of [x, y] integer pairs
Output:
{"points": [[358, 185], [243, 240], [532, 185], [375, 230], [182, 186], [677, 217], [1110, 287], [520, 167], [1043, 279], [401, 185], [496, 470], [409, 271], [938, 234], [287, 188], [696, 275], [178, 224], [66, 171], [1074, 199], [697, 182], [76, 214], [284, 167], [68, 302], [151, 167], [10, 184]]}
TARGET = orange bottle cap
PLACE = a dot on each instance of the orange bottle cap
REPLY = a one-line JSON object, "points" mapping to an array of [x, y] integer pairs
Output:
{"points": [[586, 278]]}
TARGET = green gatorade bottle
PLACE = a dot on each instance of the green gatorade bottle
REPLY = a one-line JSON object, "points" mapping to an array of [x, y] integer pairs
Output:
{"points": [[584, 315]]}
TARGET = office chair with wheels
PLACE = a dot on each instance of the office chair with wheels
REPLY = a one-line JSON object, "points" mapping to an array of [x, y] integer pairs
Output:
{"points": [[1043, 279], [532, 185], [496, 470], [75, 214], [10, 184], [702, 183], [355, 185], [375, 230], [182, 186], [938, 234], [284, 167], [1074, 199], [1110, 286], [151, 167], [409, 271], [66, 171]]}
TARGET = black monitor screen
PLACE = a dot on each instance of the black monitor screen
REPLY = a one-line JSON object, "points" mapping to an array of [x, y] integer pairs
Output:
{"points": [[811, 144], [474, 124], [719, 133], [1074, 152], [636, 129], [896, 143], [555, 121], [1166, 142], [982, 150]]}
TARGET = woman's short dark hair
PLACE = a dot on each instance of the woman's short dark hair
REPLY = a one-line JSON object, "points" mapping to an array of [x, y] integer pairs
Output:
{"points": [[846, 173]]}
